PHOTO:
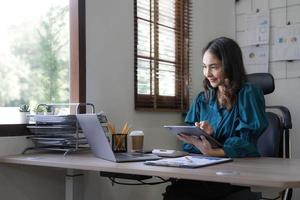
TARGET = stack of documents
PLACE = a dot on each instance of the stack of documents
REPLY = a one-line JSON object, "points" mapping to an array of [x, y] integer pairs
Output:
{"points": [[193, 161], [59, 131]]}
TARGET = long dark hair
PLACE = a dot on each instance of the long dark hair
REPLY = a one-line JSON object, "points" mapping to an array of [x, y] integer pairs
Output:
{"points": [[229, 52]]}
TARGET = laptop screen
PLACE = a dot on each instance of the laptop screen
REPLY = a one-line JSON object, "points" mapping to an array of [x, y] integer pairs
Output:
{"points": [[96, 137]]}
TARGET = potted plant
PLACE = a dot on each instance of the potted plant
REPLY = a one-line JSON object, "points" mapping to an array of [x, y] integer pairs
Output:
{"points": [[24, 111], [24, 108], [39, 110], [43, 109], [49, 109]]}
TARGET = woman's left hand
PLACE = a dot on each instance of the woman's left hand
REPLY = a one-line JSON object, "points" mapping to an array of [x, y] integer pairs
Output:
{"points": [[201, 143]]}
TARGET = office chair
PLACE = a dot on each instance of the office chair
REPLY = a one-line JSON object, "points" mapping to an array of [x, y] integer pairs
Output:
{"points": [[275, 141]]}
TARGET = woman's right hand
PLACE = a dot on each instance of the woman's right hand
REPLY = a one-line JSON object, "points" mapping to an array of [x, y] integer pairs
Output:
{"points": [[205, 126], [200, 143]]}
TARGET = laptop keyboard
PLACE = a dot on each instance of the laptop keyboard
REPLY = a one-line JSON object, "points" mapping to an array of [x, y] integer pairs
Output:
{"points": [[127, 157], [130, 155]]}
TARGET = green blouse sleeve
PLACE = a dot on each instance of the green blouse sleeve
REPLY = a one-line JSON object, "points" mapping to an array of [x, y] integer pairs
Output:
{"points": [[251, 123], [193, 116]]}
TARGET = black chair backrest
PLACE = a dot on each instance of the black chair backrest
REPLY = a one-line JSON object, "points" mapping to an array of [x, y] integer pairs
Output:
{"points": [[263, 80], [269, 144]]}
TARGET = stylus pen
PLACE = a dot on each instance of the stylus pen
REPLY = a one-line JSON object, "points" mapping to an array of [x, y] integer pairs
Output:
{"points": [[186, 157]]}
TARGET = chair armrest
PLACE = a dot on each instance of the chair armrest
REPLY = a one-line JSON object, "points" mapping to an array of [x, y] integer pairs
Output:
{"points": [[286, 115]]}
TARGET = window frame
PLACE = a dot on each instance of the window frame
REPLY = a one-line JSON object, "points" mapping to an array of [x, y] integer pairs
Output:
{"points": [[77, 64], [156, 102]]}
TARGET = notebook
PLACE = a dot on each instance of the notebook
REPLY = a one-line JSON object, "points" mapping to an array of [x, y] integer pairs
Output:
{"points": [[193, 161], [99, 144]]}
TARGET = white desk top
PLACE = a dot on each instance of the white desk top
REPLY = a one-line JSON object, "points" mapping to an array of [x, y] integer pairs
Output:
{"points": [[271, 172]]}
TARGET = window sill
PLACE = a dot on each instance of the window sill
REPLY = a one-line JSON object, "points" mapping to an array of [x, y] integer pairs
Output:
{"points": [[11, 123], [13, 130]]}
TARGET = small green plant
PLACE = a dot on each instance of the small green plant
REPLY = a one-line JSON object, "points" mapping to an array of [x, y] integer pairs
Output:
{"points": [[49, 108], [43, 108], [24, 108], [39, 109]]}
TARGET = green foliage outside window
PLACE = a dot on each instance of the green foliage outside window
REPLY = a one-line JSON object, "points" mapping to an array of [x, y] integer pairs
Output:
{"points": [[37, 69]]}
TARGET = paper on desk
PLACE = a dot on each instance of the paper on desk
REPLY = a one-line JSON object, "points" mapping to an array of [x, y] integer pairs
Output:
{"points": [[188, 161]]}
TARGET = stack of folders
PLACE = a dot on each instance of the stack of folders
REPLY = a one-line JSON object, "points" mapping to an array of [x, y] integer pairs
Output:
{"points": [[59, 131], [192, 161]]}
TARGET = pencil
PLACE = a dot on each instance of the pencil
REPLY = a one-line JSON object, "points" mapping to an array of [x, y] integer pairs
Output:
{"points": [[124, 129], [111, 128]]}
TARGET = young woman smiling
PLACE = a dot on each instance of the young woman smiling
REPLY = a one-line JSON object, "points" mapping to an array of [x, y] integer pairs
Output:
{"points": [[230, 109]]}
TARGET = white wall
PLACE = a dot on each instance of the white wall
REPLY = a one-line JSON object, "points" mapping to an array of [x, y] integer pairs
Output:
{"points": [[110, 70], [211, 19], [110, 76]]}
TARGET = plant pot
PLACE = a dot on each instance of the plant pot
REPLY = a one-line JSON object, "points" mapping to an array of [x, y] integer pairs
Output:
{"points": [[23, 117]]}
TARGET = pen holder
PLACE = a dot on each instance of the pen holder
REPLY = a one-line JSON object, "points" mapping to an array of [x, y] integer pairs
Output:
{"points": [[119, 142]]}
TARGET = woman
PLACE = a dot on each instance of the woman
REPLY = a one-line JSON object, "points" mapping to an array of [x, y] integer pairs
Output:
{"points": [[230, 109]]}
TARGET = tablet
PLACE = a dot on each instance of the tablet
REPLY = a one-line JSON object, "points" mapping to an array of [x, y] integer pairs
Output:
{"points": [[193, 130]]}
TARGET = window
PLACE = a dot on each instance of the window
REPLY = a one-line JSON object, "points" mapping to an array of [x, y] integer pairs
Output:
{"points": [[43, 59], [161, 54]]}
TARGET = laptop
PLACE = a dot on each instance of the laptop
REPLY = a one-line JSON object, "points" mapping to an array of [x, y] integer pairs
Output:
{"points": [[99, 144]]}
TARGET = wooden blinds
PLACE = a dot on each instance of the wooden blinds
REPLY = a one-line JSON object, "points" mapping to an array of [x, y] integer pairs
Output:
{"points": [[161, 54]]}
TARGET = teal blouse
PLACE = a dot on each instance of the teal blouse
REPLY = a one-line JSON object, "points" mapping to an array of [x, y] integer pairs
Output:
{"points": [[237, 129]]}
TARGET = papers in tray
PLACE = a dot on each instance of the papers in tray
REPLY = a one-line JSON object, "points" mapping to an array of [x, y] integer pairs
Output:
{"points": [[193, 161]]}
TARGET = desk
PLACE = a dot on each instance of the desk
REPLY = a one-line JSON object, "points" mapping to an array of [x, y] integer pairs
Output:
{"points": [[270, 172]]}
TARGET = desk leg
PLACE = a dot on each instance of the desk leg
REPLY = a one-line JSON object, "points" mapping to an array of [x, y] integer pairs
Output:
{"points": [[73, 185]]}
